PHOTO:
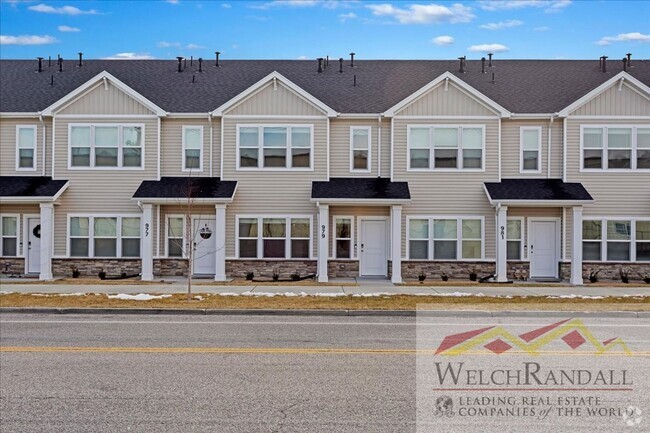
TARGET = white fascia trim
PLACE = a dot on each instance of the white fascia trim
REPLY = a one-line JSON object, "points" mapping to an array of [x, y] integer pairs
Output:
{"points": [[187, 115], [460, 83], [360, 115], [19, 115], [181, 201], [275, 75], [359, 201], [600, 89], [104, 75], [533, 116]]}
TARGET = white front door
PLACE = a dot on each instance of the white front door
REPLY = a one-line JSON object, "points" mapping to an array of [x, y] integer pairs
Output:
{"points": [[373, 257], [543, 249], [33, 245], [205, 246]]}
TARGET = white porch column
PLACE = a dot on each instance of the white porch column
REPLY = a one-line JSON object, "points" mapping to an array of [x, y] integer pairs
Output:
{"points": [[220, 240], [396, 243], [323, 241], [147, 242], [47, 231], [576, 247], [502, 244]]}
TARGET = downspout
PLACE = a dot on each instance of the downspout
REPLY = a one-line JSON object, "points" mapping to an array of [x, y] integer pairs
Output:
{"points": [[40, 118], [564, 121], [159, 147], [328, 149], [53, 142], [379, 146], [392, 156], [210, 122], [548, 155], [221, 128]]}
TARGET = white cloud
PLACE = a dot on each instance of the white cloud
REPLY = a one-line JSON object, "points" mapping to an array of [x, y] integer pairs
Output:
{"points": [[68, 29], [194, 47], [63, 10], [349, 16], [624, 37], [425, 14], [129, 56], [549, 6], [302, 58], [226, 5], [501, 25], [289, 3], [174, 2], [27, 40], [542, 29], [488, 48], [443, 40], [164, 44]]}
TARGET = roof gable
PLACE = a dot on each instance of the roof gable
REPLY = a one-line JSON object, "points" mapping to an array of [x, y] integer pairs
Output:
{"points": [[105, 99], [273, 81], [103, 78], [445, 80], [275, 98]]}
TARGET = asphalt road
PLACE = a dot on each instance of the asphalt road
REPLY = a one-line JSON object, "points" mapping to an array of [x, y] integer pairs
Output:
{"points": [[271, 374]]}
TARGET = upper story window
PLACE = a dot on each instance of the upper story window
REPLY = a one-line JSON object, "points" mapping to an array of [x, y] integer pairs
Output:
{"points": [[530, 138], [26, 147], [106, 146], [275, 147], [192, 148], [446, 147], [360, 148], [615, 147]]}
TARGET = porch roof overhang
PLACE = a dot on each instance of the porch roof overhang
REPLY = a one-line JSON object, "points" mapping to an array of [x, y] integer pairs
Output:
{"points": [[179, 190], [31, 189], [536, 192], [360, 191]]}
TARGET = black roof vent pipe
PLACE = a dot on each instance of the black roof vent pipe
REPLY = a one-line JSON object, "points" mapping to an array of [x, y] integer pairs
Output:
{"points": [[482, 65], [180, 64], [327, 61], [355, 80], [320, 65], [191, 61], [216, 62], [40, 64], [52, 80], [60, 64], [200, 65], [352, 60], [492, 78], [462, 64], [603, 64], [624, 64], [341, 65], [490, 59], [185, 64], [81, 56], [629, 60]]}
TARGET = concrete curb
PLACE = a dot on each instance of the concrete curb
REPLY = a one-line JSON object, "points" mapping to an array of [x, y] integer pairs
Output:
{"points": [[278, 312]]}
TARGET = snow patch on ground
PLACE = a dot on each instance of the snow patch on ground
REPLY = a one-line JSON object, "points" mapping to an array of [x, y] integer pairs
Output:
{"points": [[575, 297], [2, 292], [138, 297], [72, 294]]}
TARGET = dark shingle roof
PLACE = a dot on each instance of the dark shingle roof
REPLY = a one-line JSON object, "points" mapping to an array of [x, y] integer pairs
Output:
{"points": [[521, 86], [536, 189], [29, 186], [182, 187], [360, 188]]}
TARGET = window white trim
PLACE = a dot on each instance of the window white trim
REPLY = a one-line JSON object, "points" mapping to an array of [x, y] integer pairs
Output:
{"points": [[459, 237], [353, 242], [431, 147], [287, 238], [288, 147], [17, 235], [201, 150], [522, 130], [604, 240], [368, 168], [167, 237], [91, 234], [120, 146], [521, 240], [33, 147], [604, 149]]}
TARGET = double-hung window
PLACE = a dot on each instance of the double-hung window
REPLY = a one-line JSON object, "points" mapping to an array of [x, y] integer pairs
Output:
{"points": [[104, 236], [530, 138], [440, 238], [616, 240], [26, 147], [343, 237], [8, 235], [446, 147], [615, 147], [360, 148], [274, 147], [514, 239], [106, 146], [192, 148], [279, 237]]}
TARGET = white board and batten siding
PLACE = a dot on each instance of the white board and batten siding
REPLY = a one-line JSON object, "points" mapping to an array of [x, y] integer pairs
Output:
{"points": [[274, 101], [629, 101], [105, 100]]}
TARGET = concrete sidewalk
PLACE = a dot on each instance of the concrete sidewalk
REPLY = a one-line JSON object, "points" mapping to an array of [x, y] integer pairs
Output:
{"points": [[346, 287]]}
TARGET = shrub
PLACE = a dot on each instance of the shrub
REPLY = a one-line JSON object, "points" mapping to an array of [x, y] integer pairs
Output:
{"points": [[250, 275], [276, 275], [593, 276], [444, 276], [422, 276], [624, 274], [295, 276]]}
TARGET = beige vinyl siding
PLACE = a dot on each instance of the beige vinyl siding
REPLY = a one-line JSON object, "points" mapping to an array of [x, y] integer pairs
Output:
{"points": [[511, 148], [452, 102], [103, 100], [385, 148], [453, 193], [172, 147], [535, 212], [99, 191], [278, 101], [340, 147], [265, 192], [627, 102], [21, 210], [8, 146], [355, 212]]}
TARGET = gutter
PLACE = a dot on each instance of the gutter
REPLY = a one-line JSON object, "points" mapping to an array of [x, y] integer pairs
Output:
{"points": [[40, 118]]}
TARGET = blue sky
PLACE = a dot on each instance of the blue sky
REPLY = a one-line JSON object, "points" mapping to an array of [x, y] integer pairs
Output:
{"points": [[297, 29]]}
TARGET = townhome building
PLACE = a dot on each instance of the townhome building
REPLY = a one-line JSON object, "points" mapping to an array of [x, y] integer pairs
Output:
{"points": [[384, 168]]}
